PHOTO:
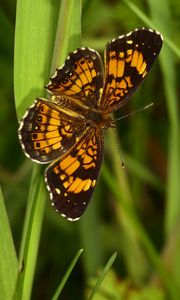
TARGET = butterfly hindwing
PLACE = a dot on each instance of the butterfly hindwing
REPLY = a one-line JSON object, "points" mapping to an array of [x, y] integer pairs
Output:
{"points": [[128, 59], [46, 132], [81, 77], [71, 179]]}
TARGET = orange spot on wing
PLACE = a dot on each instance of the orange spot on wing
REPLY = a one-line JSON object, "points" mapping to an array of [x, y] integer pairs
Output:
{"points": [[121, 54], [62, 176], [90, 151], [91, 165], [74, 88], [140, 61], [74, 185], [112, 66], [54, 114], [53, 121], [87, 159], [72, 168], [143, 67], [78, 82], [134, 58], [54, 140], [93, 73], [128, 79], [129, 58], [56, 146], [129, 52], [120, 70], [51, 127], [67, 161], [93, 183], [53, 134], [87, 185], [83, 78], [122, 84]]}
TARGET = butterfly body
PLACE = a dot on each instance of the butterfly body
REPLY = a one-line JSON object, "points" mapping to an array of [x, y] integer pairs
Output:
{"points": [[67, 129], [89, 115]]}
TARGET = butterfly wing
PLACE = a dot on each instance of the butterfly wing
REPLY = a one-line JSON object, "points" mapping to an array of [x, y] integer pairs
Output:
{"points": [[71, 179], [81, 77], [46, 132], [128, 59]]}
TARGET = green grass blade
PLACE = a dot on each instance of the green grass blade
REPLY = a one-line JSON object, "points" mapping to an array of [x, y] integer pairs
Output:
{"points": [[33, 52], [66, 276], [32, 59], [169, 75], [103, 274], [34, 40], [173, 174], [31, 243], [67, 39], [8, 259], [31, 234], [30, 203]]}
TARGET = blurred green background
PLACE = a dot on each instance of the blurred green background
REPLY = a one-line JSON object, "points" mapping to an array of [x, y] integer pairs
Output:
{"points": [[135, 211]]}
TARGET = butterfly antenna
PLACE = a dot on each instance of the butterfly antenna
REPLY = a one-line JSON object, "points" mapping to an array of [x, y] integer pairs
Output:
{"points": [[136, 111], [118, 146]]}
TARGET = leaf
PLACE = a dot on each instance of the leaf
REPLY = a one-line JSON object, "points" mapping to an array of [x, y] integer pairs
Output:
{"points": [[8, 259], [102, 276], [67, 274]]}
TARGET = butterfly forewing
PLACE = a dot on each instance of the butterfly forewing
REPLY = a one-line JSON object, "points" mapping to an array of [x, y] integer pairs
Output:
{"points": [[72, 179], [128, 59], [81, 77]]}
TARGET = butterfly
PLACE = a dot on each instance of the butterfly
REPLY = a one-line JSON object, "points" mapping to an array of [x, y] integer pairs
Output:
{"points": [[66, 131]]}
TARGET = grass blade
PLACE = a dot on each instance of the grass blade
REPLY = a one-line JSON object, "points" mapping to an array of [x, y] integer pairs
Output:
{"points": [[173, 172], [67, 39], [66, 276], [103, 274], [33, 52], [30, 247], [8, 259], [169, 75], [32, 59], [34, 41]]}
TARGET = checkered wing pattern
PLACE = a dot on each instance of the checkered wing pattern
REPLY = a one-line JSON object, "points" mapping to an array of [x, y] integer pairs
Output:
{"points": [[128, 59], [46, 132], [67, 129], [72, 179], [81, 77]]}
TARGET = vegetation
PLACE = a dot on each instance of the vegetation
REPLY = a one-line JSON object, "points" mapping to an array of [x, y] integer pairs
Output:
{"points": [[126, 246]]}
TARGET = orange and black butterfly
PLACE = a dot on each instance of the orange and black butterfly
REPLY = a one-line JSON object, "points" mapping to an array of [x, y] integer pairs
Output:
{"points": [[67, 129]]}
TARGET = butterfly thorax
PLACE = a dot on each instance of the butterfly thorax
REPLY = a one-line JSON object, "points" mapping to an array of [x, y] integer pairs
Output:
{"points": [[76, 109]]}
